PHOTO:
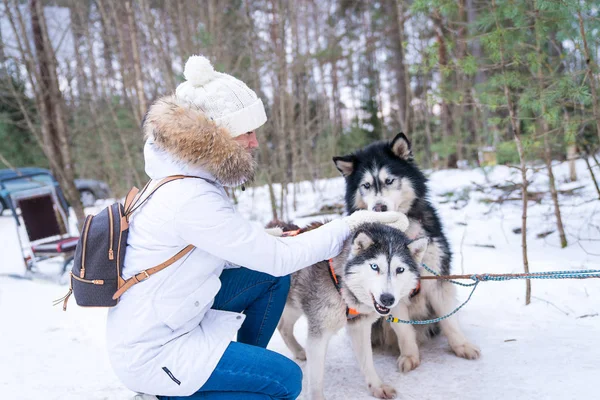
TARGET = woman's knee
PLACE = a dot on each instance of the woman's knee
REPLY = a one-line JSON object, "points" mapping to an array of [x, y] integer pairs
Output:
{"points": [[294, 380], [280, 287], [284, 282]]}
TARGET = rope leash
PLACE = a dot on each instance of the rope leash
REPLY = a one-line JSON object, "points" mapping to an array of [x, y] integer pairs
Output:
{"points": [[477, 278]]}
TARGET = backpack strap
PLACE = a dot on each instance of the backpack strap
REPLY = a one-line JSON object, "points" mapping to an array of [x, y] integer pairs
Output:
{"points": [[129, 198], [141, 197], [128, 202], [145, 274]]}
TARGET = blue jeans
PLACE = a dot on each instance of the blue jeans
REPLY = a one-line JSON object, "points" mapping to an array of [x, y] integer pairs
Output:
{"points": [[247, 370]]}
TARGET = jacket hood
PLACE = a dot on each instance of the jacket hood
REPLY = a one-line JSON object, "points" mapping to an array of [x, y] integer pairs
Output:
{"points": [[181, 139]]}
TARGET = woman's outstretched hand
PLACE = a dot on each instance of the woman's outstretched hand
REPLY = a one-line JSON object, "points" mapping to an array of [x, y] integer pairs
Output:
{"points": [[391, 218]]}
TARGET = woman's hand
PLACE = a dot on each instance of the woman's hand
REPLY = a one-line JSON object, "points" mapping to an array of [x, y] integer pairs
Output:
{"points": [[277, 231], [391, 218]]}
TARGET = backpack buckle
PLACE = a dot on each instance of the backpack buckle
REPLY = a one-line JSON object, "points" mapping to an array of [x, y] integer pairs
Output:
{"points": [[143, 277]]}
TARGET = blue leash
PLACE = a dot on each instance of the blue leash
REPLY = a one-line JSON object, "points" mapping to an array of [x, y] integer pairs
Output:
{"points": [[477, 278]]}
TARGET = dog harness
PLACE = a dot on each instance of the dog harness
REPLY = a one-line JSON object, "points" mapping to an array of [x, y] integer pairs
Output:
{"points": [[416, 290], [350, 312]]}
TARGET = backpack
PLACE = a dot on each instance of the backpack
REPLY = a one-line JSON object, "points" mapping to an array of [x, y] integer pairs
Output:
{"points": [[95, 279]]}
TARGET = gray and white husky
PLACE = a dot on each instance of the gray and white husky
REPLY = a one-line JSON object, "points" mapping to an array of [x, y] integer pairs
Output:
{"points": [[376, 271], [384, 177]]}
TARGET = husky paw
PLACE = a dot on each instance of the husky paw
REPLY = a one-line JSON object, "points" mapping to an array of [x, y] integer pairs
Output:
{"points": [[383, 391], [408, 363], [467, 350], [300, 355]]}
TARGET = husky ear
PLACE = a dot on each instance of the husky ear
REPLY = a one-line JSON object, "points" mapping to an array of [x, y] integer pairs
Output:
{"points": [[361, 242], [344, 164], [417, 249], [400, 146]]}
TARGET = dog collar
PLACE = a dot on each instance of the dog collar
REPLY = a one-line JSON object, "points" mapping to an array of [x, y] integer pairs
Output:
{"points": [[351, 313], [416, 290]]}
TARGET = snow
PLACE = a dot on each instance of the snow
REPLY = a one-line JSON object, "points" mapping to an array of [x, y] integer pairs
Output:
{"points": [[547, 350]]}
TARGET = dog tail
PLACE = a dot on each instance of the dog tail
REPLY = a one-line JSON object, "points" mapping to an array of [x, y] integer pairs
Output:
{"points": [[289, 226], [286, 226]]}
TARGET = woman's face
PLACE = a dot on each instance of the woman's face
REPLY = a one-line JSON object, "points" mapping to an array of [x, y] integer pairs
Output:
{"points": [[247, 140]]}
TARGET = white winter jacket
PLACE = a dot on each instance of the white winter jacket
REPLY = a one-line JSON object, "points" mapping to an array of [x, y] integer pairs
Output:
{"points": [[163, 337]]}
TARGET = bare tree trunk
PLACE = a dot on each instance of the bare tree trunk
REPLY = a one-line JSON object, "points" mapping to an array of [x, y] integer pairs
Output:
{"points": [[137, 64], [516, 127], [333, 42], [553, 192], [78, 13], [77, 24], [294, 101], [571, 152], [272, 196], [337, 112], [282, 202], [425, 115], [159, 47], [587, 162], [402, 88], [182, 13], [317, 17], [547, 151], [124, 84], [446, 113], [278, 35], [468, 118], [595, 159], [4, 161], [256, 79], [590, 74], [481, 130], [571, 157], [114, 20], [107, 45], [176, 23], [128, 157]]}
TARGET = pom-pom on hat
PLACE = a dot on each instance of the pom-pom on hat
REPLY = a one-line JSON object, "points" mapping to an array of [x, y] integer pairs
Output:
{"points": [[223, 98]]}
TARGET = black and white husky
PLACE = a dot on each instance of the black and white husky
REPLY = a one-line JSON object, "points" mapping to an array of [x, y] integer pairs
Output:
{"points": [[384, 177], [376, 271]]}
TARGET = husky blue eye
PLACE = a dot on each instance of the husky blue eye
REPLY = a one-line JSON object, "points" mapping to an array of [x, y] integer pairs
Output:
{"points": [[399, 270], [375, 267], [389, 181], [367, 186]]}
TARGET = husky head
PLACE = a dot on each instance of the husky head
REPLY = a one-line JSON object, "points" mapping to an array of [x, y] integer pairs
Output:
{"points": [[381, 268], [382, 177]]}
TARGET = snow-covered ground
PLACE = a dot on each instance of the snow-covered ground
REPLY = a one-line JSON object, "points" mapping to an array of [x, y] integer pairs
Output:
{"points": [[547, 350]]}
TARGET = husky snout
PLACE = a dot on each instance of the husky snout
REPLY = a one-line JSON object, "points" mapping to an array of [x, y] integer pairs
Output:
{"points": [[387, 299], [380, 207]]}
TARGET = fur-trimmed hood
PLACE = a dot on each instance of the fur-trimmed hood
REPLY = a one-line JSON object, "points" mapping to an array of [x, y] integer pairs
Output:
{"points": [[194, 142]]}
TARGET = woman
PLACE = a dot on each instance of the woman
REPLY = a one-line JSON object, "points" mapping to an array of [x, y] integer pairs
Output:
{"points": [[171, 335]]}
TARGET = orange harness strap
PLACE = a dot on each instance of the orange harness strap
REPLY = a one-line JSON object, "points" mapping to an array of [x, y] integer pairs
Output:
{"points": [[416, 290], [350, 312]]}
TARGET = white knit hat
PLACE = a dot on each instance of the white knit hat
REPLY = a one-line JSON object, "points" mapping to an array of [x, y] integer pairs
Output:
{"points": [[223, 98]]}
